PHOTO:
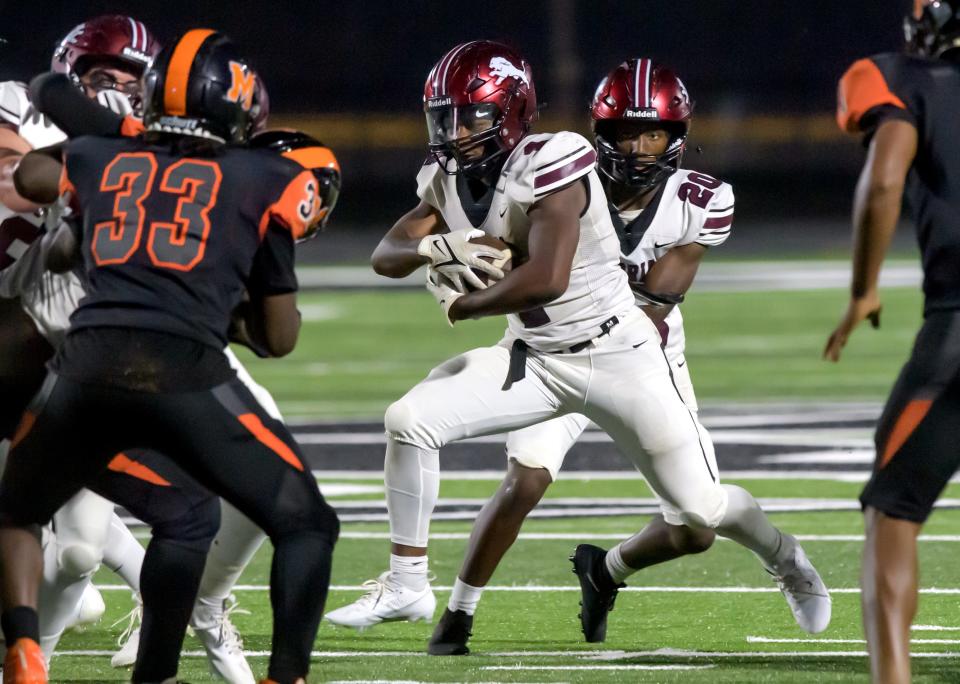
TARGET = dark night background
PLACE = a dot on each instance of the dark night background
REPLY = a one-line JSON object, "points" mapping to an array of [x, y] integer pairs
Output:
{"points": [[762, 74]]}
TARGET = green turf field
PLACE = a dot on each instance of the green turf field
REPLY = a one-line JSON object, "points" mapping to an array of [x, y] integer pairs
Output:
{"points": [[360, 351], [709, 618], [715, 613]]}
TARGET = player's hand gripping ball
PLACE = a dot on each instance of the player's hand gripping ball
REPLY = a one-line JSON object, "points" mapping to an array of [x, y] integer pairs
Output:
{"points": [[468, 258]]}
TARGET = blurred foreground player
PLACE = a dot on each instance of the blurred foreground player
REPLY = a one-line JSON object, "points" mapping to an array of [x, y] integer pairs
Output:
{"points": [[905, 108], [176, 225]]}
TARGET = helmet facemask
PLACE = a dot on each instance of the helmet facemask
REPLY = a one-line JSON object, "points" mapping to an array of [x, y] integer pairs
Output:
{"points": [[933, 30], [468, 136], [639, 172]]}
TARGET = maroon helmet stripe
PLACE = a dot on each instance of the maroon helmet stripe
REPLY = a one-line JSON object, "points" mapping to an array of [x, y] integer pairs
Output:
{"points": [[444, 67], [719, 222], [578, 164], [641, 83]]}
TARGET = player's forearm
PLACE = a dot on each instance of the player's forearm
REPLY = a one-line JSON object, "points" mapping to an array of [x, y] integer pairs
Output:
{"points": [[522, 289], [396, 257], [37, 177], [875, 214]]}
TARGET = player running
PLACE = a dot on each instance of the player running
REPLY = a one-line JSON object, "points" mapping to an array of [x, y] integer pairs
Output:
{"points": [[665, 218], [576, 343], [904, 107], [148, 341]]}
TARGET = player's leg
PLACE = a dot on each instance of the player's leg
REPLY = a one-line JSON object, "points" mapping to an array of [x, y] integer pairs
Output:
{"points": [[76, 550], [63, 431], [184, 518], [463, 397], [534, 457], [123, 555], [916, 442], [633, 398], [252, 461]]}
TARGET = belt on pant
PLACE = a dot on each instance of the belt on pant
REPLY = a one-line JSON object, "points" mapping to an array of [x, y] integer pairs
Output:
{"points": [[518, 352]]}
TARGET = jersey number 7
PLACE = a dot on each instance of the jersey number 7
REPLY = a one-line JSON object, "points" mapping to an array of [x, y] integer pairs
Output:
{"points": [[178, 244]]}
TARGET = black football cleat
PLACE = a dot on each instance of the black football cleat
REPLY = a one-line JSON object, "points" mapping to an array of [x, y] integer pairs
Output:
{"points": [[597, 591], [451, 634]]}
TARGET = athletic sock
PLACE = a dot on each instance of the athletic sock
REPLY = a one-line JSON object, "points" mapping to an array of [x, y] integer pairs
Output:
{"points": [[123, 554], [410, 571], [615, 565], [745, 523], [464, 597], [19, 623]]}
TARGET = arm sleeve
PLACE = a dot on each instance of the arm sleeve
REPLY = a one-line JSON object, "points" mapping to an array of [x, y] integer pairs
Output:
{"points": [[718, 219], [865, 99], [297, 208], [70, 110], [272, 272]]}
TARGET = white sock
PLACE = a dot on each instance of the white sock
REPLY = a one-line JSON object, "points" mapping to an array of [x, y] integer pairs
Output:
{"points": [[234, 546], [464, 597], [122, 553], [410, 571], [411, 476], [745, 523], [618, 569]]}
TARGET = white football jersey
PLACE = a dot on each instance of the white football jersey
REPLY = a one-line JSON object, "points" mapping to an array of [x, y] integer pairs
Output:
{"points": [[541, 164], [48, 299], [691, 207]]}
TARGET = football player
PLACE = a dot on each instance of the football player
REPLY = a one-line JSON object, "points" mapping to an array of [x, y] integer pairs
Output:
{"points": [[104, 59], [903, 106], [665, 218], [159, 346], [576, 343]]}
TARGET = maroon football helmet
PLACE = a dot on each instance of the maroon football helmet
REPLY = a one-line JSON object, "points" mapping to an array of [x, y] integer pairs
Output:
{"points": [[480, 101], [108, 37], [639, 91]]}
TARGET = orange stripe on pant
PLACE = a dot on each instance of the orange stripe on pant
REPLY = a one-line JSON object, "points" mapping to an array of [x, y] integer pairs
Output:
{"points": [[122, 464], [26, 424], [908, 420], [178, 71], [256, 427]]}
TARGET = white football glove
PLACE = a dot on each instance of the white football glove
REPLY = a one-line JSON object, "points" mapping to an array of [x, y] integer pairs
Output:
{"points": [[441, 289], [453, 255], [115, 101]]}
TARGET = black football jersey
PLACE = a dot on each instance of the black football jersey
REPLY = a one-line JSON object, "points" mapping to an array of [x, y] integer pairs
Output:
{"points": [[170, 241], [926, 93]]}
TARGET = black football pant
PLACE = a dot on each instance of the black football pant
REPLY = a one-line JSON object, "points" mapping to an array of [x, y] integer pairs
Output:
{"points": [[184, 518], [223, 439]]}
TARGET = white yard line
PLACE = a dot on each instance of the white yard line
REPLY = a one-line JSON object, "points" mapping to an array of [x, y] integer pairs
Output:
{"points": [[579, 536], [775, 640], [934, 628], [596, 667]]}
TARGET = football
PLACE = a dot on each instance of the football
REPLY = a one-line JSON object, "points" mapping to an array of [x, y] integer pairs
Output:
{"points": [[504, 264]]}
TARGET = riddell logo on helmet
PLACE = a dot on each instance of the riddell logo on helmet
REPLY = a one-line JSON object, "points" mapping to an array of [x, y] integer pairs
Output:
{"points": [[435, 102], [136, 54], [501, 68], [641, 113]]}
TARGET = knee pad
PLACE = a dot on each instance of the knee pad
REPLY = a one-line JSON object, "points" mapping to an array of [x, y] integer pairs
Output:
{"points": [[399, 420], [79, 560], [709, 510], [328, 523]]}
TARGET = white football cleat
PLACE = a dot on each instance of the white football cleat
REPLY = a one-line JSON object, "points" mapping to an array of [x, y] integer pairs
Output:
{"points": [[221, 639], [129, 640], [385, 601], [801, 586], [90, 608]]}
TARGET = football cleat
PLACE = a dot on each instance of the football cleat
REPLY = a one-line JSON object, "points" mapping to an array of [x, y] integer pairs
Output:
{"points": [[451, 634], [90, 609], [24, 663], [597, 591], [802, 587], [221, 639], [385, 601], [129, 640]]}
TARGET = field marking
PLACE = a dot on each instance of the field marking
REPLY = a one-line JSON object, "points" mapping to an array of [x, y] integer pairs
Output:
{"points": [[934, 628], [775, 640], [854, 476], [619, 536], [596, 667], [937, 591]]}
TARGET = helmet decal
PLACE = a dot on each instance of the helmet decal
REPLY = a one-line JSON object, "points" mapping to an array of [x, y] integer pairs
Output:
{"points": [[242, 82], [501, 68], [642, 80]]}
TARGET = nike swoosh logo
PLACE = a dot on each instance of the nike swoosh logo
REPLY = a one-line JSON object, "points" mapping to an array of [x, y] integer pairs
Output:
{"points": [[657, 245], [640, 344], [503, 212], [681, 365]]}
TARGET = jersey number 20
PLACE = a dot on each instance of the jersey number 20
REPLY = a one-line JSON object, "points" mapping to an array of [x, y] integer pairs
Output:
{"points": [[178, 244]]}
